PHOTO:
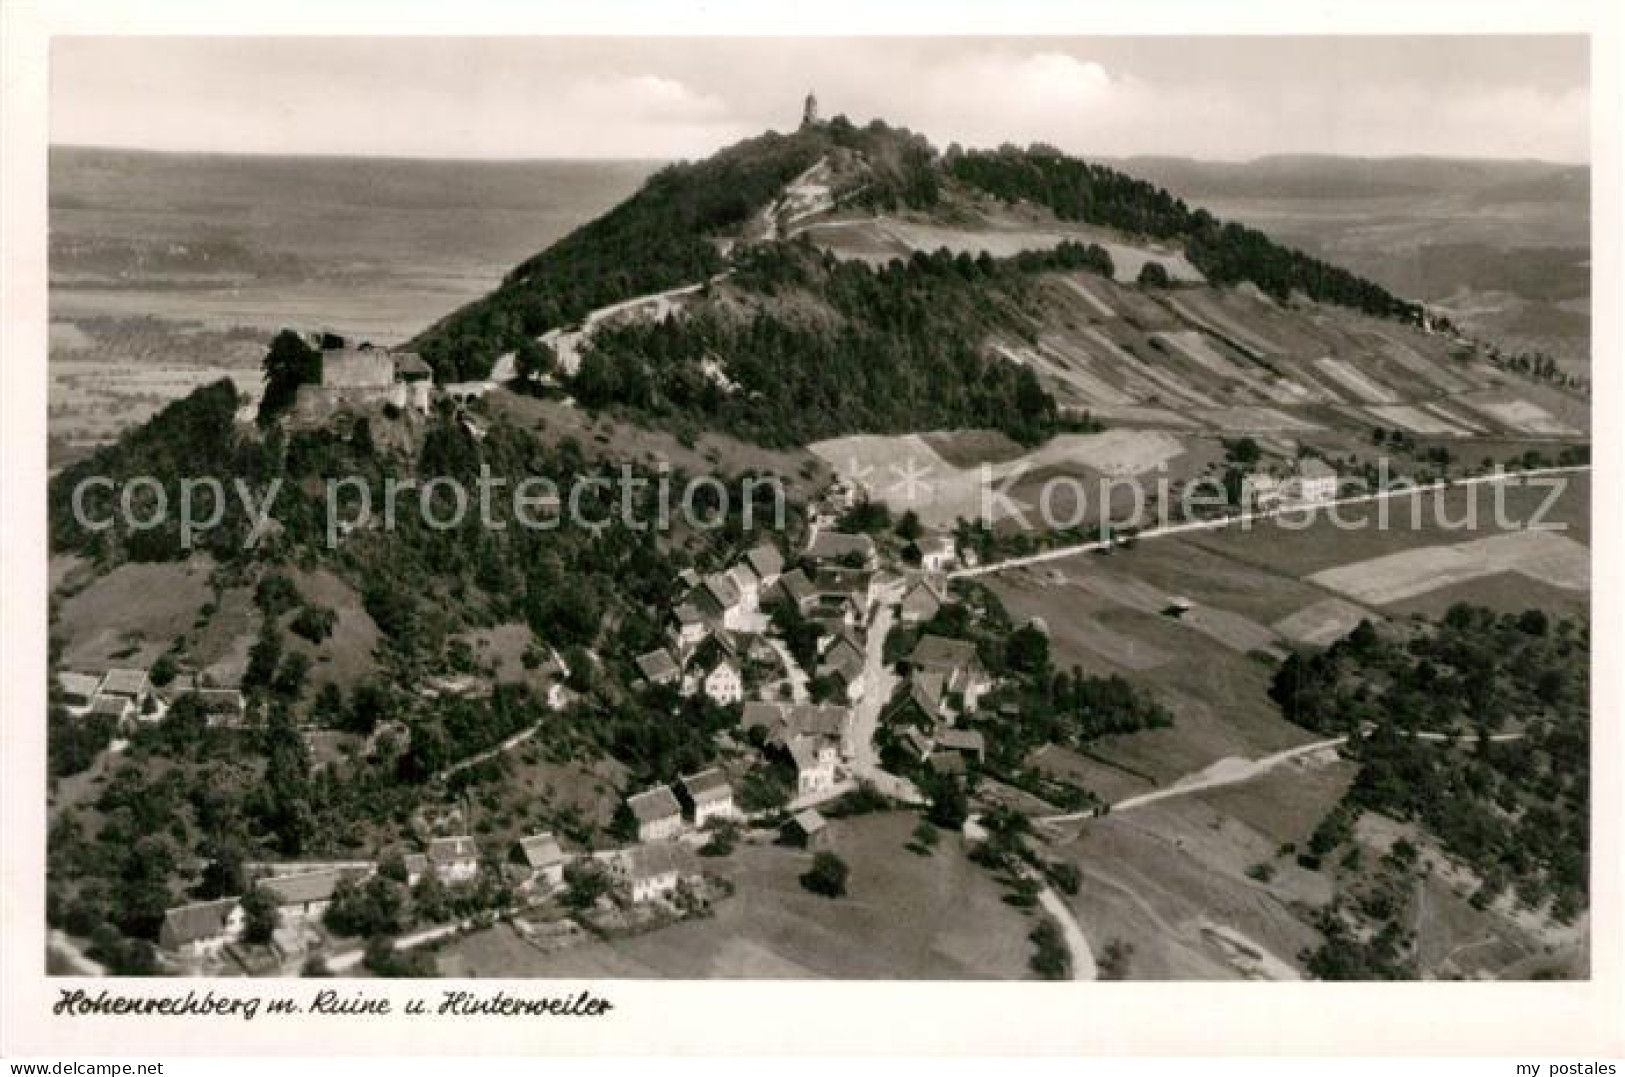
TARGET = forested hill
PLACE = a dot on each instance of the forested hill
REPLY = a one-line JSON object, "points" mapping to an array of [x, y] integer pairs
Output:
{"points": [[667, 234]]}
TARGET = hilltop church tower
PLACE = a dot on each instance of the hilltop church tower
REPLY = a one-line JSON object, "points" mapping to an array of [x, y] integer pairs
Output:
{"points": [[809, 111]]}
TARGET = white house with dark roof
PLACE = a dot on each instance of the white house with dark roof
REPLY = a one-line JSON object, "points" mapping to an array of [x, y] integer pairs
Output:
{"points": [[455, 859], [545, 858], [305, 896], [709, 795], [203, 928], [654, 871], [658, 814]]}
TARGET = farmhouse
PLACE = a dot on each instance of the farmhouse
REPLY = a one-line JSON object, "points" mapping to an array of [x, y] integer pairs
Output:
{"points": [[1260, 490], [202, 928], [659, 816], [545, 859], [836, 547], [689, 626], [806, 828], [456, 859], [957, 661], [936, 553], [766, 563], [78, 691], [304, 896], [658, 667], [725, 684], [921, 601], [709, 795], [814, 759], [843, 663], [795, 589], [654, 871], [967, 742], [128, 684]]}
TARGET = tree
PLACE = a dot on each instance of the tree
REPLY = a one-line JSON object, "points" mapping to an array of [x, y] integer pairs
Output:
{"points": [[1154, 275], [908, 526], [1051, 959], [585, 881], [288, 364], [827, 876], [260, 916]]}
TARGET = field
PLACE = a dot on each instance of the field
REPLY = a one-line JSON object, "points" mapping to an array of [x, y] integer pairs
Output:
{"points": [[128, 617], [170, 270], [904, 917]]}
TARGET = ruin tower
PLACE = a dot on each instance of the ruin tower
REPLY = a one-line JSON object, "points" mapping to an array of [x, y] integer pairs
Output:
{"points": [[809, 111]]}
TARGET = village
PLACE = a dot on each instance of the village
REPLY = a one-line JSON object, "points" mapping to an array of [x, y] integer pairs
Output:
{"points": [[796, 649]]}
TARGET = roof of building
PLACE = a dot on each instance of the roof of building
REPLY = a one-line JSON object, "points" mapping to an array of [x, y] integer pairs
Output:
{"points": [[416, 863], [926, 688], [935, 544], [804, 752], [818, 719], [114, 705], [656, 859], [199, 920], [1312, 467], [809, 820], [78, 684], [939, 652], [765, 561], [928, 584], [689, 613], [844, 582], [652, 804], [918, 741], [841, 662], [796, 586], [411, 363], [946, 763], [460, 847], [834, 545], [742, 577], [722, 589], [126, 682], [962, 740], [708, 785], [303, 887], [658, 665], [541, 850], [761, 712]]}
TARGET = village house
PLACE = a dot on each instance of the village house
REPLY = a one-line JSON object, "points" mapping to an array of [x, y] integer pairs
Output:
{"points": [[203, 928], [132, 685], [806, 829], [724, 600], [843, 664], [839, 548], [658, 667], [689, 628], [120, 710], [815, 759], [925, 704], [417, 866], [967, 742], [946, 764], [916, 743], [455, 859], [304, 897], [659, 816], [795, 589], [921, 601], [545, 859], [654, 871], [936, 553], [78, 691], [725, 683], [766, 563], [963, 673], [709, 796], [784, 722]]}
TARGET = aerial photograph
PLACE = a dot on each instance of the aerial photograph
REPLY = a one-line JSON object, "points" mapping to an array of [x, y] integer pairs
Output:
{"points": [[903, 508]]}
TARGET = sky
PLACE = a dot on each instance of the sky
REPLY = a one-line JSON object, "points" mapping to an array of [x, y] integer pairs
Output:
{"points": [[1217, 98]]}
